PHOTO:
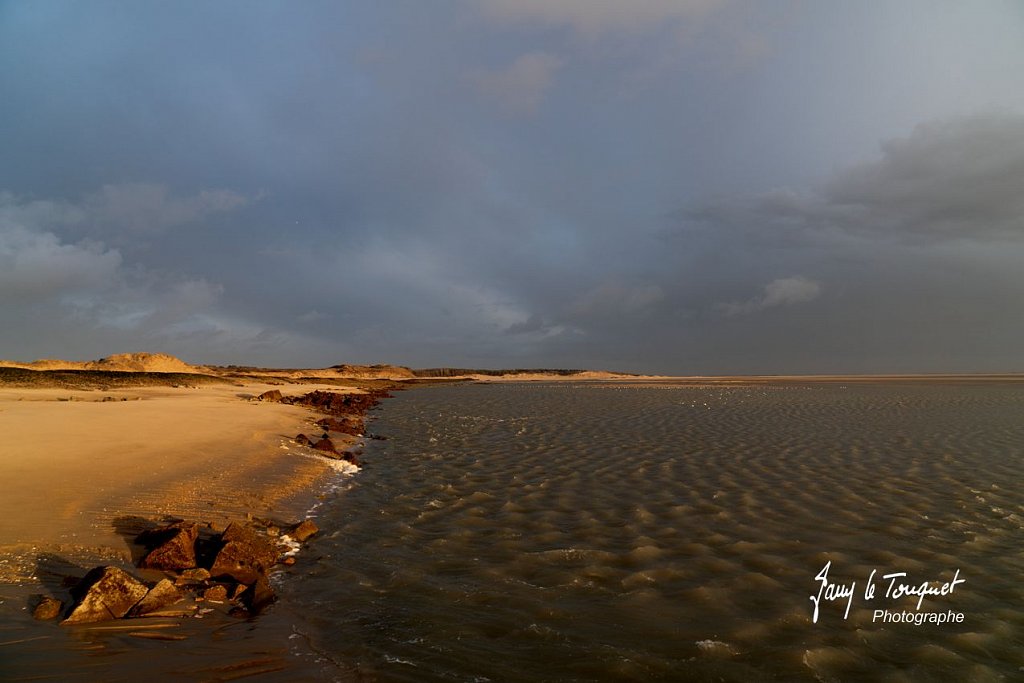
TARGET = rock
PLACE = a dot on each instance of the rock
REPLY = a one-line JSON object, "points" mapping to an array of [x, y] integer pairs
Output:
{"points": [[238, 590], [353, 426], [260, 595], [339, 404], [272, 395], [176, 551], [349, 456], [303, 440], [325, 445], [48, 608], [303, 530], [197, 574], [245, 556], [105, 593], [161, 595], [152, 537], [217, 593]]}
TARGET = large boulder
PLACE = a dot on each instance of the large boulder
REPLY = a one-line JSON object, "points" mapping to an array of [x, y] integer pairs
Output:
{"points": [[161, 595], [245, 556], [173, 547], [105, 593], [272, 395]]}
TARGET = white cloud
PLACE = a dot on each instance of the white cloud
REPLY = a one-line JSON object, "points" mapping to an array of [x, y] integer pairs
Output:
{"points": [[787, 291], [521, 86]]}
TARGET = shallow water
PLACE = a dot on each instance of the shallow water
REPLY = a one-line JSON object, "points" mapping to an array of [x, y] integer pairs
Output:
{"points": [[663, 532], [637, 532]]}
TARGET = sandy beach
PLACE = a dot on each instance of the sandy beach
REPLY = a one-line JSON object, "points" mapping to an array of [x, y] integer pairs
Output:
{"points": [[77, 463], [512, 496]]}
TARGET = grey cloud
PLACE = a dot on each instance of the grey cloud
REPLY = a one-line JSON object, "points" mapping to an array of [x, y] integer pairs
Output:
{"points": [[37, 266], [589, 17], [957, 179], [21, 211], [520, 87], [918, 271], [616, 298], [786, 291], [150, 207], [116, 210], [485, 183], [85, 290]]}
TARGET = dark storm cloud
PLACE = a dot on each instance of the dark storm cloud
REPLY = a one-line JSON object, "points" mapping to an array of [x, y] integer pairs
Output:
{"points": [[956, 179], [499, 183], [914, 254]]}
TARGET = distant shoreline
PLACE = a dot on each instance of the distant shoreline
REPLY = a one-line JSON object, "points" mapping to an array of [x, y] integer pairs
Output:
{"points": [[190, 432]]}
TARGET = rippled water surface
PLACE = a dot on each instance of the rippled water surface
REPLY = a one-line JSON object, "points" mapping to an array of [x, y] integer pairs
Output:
{"points": [[632, 532], [665, 532]]}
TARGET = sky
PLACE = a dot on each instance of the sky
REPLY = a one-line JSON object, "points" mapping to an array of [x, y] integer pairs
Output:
{"points": [[664, 186]]}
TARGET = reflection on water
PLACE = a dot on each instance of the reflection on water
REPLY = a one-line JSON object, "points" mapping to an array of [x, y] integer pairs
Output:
{"points": [[638, 532]]}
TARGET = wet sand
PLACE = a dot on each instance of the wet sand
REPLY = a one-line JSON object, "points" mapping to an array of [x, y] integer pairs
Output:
{"points": [[642, 531]]}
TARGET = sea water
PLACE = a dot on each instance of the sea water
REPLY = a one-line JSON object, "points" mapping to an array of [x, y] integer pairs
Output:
{"points": [[636, 531], [659, 531]]}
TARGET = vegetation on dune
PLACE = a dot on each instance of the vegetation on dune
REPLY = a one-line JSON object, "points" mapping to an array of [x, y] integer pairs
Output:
{"points": [[454, 372]]}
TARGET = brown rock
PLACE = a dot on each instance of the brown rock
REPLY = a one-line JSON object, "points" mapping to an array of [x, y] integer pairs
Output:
{"points": [[48, 608], [345, 425], [245, 556], [303, 440], [325, 445], [339, 404], [272, 395], [303, 530], [105, 593], [260, 595], [197, 574], [217, 593], [161, 595], [175, 549]]}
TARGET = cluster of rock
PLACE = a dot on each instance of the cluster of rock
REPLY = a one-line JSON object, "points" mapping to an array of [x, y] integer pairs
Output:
{"points": [[231, 567], [346, 415]]}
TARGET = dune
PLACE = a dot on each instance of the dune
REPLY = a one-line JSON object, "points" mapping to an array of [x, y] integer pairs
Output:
{"points": [[122, 362]]}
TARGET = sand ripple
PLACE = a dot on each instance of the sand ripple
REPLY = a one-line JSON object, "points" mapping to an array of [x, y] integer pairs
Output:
{"points": [[622, 532]]}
